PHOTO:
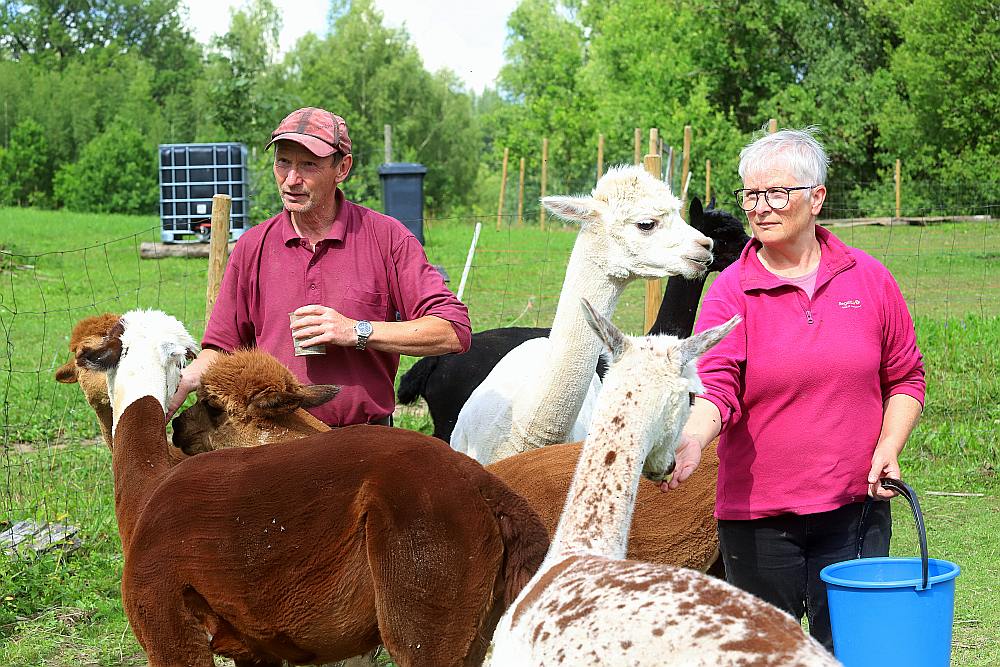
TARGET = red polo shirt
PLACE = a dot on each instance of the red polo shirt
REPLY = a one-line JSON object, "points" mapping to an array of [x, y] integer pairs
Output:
{"points": [[369, 267]]}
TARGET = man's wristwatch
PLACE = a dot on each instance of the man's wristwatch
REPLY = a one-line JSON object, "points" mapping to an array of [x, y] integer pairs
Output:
{"points": [[363, 329]]}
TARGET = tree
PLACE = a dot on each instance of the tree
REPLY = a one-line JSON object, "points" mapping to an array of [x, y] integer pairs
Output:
{"points": [[372, 76], [116, 173], [26, 167], [942, 119], [241, 74]]}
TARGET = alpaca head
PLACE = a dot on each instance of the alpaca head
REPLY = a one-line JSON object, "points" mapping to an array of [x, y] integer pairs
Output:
{"points": [[143, 355], [89, 332], [725, 230], [637, 222], [657, 376], [242, 401]]}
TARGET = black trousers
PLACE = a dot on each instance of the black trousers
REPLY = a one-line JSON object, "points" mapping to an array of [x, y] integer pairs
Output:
{"points": [[778, 558]]}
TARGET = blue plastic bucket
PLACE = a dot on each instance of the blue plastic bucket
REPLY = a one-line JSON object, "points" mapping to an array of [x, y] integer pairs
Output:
{"points": [[907, 604]]}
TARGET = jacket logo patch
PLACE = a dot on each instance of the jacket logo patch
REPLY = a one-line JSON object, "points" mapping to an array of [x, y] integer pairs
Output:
{"points": [[850, 303]]}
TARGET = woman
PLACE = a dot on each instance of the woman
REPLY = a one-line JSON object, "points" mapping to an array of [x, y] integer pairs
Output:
{"points": [[815, 394]]}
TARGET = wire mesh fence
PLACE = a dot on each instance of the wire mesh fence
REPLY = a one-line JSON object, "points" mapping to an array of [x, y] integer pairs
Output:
{"points": [[948, 271]]}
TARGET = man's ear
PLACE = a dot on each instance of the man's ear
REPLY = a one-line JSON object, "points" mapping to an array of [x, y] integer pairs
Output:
{"points": [[343, 168]]}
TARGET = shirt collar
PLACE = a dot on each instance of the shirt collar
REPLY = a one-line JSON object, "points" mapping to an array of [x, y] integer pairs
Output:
{"points": [[835, 257], [338, 231]]}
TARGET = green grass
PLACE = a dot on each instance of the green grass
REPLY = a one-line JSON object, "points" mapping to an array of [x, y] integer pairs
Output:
{"points": [[58, 267]]}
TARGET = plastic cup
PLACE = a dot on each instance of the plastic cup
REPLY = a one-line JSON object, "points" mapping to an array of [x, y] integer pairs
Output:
{"points": [[297, 343]]}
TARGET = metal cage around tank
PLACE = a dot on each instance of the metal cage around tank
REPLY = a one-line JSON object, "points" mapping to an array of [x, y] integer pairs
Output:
{"points": [[190, 175]]}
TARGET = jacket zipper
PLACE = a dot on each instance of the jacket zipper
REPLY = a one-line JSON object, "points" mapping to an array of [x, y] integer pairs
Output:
{"points": [[809, 316]]}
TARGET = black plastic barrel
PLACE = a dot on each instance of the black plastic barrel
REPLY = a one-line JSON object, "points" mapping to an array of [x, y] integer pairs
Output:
{"points": [[403, 194]]}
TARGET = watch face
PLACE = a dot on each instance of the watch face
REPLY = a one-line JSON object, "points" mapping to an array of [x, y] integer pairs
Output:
{"points": [[364, 328]]}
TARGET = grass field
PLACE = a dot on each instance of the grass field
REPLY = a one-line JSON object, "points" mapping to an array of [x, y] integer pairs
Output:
{"points": [[58, 267]]}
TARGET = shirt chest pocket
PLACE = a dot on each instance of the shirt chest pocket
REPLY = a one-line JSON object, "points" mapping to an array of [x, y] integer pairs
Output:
{"points": [[364, 304]]}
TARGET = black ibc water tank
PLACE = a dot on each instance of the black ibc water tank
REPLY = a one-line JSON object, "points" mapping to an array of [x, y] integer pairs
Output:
{"points": [[190, 175], [403, 194]]}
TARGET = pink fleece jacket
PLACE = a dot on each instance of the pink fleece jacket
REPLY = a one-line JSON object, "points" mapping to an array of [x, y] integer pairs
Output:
{"points": [[800, 383]]}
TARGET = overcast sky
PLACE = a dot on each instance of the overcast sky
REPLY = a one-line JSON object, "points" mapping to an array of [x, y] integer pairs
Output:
{"points": [[466, 36]]}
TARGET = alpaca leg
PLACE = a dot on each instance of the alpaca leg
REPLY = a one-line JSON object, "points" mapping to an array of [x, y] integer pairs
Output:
{"points": [[177, 643], [435, 585]]}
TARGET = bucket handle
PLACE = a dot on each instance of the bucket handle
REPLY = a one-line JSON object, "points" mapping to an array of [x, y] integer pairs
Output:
{"points": [[903, 489]]}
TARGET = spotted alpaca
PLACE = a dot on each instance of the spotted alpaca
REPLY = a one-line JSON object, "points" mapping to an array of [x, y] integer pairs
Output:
{"points": [[588, 606]]}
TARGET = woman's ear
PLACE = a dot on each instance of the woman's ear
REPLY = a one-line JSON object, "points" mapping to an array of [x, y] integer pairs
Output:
{"points": [[818, 196]]}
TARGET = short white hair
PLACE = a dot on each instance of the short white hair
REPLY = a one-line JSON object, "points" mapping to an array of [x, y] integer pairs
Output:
{"points": [[799, 150]]}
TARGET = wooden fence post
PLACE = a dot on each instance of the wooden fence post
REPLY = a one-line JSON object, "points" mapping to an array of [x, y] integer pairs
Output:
{"points": [[388, 143], [685, 169], [218, 251], [545, 174], [600, 156], [708, 182], [899, 173], [520, 196], [772, 126], [503, 188], [670, 168], [654, 288], [637, 146]]}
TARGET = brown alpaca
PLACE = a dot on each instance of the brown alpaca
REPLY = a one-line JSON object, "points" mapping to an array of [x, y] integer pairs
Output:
{"points": [[89, 332], [689, 539], [236, 406], [307, 554], [247, 399]]}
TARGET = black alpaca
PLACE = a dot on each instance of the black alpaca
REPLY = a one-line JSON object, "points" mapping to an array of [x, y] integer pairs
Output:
{"points": [[447, 381]]}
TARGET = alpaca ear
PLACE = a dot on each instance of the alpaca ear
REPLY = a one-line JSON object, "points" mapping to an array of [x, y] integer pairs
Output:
{"points": [[173, 350], [576, 209], [318, 394], [273, 403], [696, 215], [67, 373], [612, 337], [695, 346], [711, 202]]}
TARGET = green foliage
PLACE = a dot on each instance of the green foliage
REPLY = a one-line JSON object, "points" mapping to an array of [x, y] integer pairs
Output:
{"points": [[884, 80], [25, 167], [372, 76], [116, 172], [240, 74]]}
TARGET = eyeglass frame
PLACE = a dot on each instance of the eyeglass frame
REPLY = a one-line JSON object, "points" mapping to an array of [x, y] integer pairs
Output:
{"points": [[757, 194]]}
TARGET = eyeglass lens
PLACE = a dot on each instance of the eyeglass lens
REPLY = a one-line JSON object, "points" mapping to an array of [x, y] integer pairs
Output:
{"points": [[777, 198]]}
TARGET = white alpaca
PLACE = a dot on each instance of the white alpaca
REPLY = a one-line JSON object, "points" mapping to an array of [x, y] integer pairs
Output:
{"points": [[630, 228], [587, 606]]}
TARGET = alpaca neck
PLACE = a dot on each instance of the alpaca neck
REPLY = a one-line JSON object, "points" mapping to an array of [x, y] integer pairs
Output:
{"points": [[139, 458], [601, 498], [679, 306], [545, 414]]}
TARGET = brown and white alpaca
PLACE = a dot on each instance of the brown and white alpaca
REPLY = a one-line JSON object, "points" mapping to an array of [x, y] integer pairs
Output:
{"points": [[307, 553], [588, 606], [630, 228], [272, 403]]}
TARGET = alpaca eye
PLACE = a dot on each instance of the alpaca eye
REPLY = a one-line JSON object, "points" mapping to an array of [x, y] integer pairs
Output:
{"points": [[646, 225]]}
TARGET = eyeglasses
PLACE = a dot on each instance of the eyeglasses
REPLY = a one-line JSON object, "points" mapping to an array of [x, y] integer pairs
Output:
{"points": [[776, 198]]}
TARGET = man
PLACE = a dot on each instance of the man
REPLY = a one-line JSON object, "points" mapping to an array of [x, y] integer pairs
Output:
{"points": [[358, 282]]}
